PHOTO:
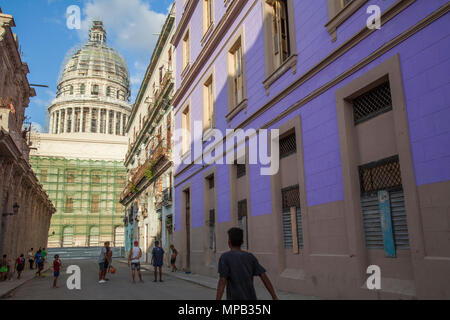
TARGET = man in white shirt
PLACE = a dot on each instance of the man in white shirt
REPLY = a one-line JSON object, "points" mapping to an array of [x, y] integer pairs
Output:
{"points": [[134, 257]]}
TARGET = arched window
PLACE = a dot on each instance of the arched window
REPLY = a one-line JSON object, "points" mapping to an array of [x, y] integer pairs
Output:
{"points": [[67, 240], [94, 236], [71, 90], [108, 91], [119, 236], [118, 94]]}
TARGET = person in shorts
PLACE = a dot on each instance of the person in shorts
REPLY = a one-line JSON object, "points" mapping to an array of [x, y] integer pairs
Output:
{"points": [[157, 260], [103, 262], [44, 254], [237, 269], [20, 265], [134, 258], [56, 268], [173, 257]]}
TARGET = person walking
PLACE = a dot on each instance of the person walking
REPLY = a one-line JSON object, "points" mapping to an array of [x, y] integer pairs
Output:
{"points": [[37, 256], [43, 254], [56, 268], [39, 264], [237, 269], [4, 268], [103, 262], [20, 265], [30, 258], [134, 258], [173, 258], [157, 260]]}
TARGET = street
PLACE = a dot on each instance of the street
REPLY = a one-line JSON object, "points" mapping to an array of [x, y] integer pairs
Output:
{"points": [[119, 286]]}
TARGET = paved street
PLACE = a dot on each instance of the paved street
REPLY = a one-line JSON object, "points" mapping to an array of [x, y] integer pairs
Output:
{"points": [[119, 286]]}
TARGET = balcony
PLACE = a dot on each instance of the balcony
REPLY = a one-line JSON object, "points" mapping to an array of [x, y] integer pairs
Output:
{"points": [[167, 197]]}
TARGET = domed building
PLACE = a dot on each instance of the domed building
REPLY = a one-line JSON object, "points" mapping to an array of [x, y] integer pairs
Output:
{"points": [[80, 160]]}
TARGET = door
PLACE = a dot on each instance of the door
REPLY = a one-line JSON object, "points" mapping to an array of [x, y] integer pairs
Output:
{"points": [[188, 229]]}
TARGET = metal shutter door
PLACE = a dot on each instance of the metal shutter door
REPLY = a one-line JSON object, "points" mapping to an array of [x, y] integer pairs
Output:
{"points": [[371, 221], [399, 224], [299, 228], [287, 231]]}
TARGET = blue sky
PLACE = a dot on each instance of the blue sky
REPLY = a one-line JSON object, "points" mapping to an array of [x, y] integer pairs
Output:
{"points": [[45, 39]]}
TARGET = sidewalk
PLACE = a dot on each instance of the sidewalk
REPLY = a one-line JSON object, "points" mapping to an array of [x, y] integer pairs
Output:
{"points": [[211, 283], [9, 285]]}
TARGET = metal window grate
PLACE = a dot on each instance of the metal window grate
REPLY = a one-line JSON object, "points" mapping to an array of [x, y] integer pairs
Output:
{"points": [[372, 103], [380, 175], [240, 170], [242, 209], [288, 145], [210, 182], [290, 197]]}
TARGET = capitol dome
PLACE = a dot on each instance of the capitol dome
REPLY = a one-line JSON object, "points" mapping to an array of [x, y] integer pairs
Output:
{"points": [[93, 90]]}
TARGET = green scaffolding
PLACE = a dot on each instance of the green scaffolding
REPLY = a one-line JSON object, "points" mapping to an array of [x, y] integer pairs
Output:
{"points": [[86, 196]]}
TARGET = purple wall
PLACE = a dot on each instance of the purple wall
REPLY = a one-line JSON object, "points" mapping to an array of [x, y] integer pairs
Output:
{"points": [[425, 66]]}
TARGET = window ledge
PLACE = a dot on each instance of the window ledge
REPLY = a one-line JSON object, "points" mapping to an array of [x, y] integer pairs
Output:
{"points": [[290, 63], [207, 133], [242, 105], [341, 16], [185, 155], [185, 70], [207, 34]]}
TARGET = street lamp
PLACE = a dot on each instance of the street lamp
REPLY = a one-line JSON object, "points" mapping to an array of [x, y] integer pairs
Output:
{"points": [[15, 210]]}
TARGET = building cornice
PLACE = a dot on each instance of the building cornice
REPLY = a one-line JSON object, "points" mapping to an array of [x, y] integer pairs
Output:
{"points": [[189, 9]]}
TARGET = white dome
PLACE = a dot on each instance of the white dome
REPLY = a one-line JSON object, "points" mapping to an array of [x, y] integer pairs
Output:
{"points": [[93, 89]]}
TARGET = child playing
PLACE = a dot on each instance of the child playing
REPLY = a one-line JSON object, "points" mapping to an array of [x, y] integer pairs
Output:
{"points": [[173, 257], [20, 265], [56, 267]]}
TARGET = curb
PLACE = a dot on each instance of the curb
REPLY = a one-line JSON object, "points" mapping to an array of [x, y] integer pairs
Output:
{"points": [[5, 295]]}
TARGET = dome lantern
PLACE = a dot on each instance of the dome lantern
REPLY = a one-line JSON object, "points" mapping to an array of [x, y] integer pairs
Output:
{"points": [[97, 33]]}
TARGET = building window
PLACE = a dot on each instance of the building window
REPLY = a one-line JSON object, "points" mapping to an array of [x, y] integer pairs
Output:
{"points": [[108, 91], [208, 15], [111, 122], [240, 170], [68, 207], [208, 104], [69, 120], [292, 218], [82, 88], [288, 145], [70, 177], [339, 11], [118, 117], [63, 118], [210, 180], [237, 82], [85, 120], [95, 89], [95, 203], [186, 126], [77, 120], [279, 39], [96, 177], [94, 119], [372, 103], [383, 206], [71, 90], [212, 232], [44, 173], [186, 52], [243, 220], [103, 121]]}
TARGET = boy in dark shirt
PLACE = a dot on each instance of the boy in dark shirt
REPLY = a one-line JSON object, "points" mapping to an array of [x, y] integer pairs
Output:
{"points": [[237, 269], [56, 269], [157, 260]]}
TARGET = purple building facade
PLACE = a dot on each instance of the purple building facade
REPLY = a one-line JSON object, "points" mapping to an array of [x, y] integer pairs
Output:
{"points": [[364, 122]]}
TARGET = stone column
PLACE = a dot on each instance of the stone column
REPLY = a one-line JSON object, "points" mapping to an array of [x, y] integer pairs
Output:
{"points": [[60, 127], [6, 171], [83, 125], [65, 120]]}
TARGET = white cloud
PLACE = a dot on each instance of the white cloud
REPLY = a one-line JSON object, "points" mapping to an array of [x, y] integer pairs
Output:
{"points": [[43, 100], [129, 23]]}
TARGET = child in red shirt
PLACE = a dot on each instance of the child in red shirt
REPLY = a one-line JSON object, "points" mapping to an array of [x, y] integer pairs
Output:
{"points": [[56, 267]]}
